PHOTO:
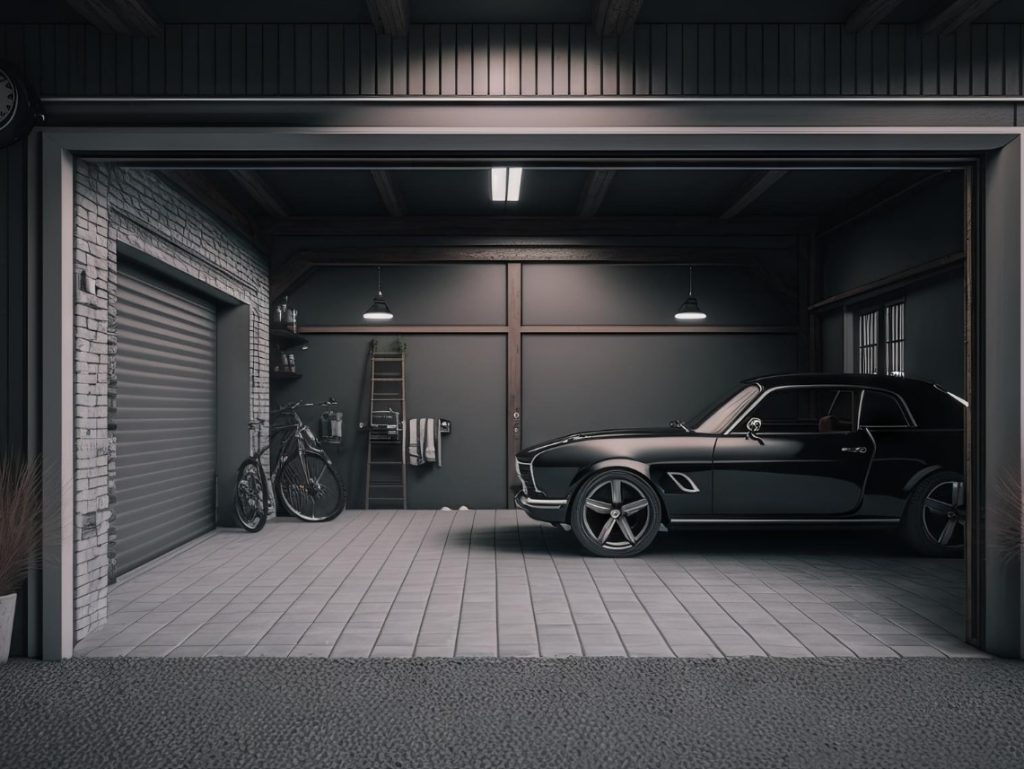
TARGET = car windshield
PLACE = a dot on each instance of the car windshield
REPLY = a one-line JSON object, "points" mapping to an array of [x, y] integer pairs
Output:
{"points": [[718, 417]]}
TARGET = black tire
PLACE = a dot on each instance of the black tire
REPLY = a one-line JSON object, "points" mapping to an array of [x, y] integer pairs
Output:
{"points": [[599, 514], [252, 501], [328, 497], [933, 522]]}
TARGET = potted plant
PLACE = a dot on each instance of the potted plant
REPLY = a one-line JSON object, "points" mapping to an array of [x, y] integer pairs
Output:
{"points": [[19, 537]]}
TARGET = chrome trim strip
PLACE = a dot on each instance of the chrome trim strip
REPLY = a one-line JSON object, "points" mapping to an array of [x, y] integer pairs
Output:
{"points": [[908, 415], [528, 502], [789, 521], [693, 488]]}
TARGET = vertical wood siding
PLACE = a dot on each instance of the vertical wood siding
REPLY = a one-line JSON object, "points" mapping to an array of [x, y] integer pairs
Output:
{"points": [[518, 60], [13, 285]]}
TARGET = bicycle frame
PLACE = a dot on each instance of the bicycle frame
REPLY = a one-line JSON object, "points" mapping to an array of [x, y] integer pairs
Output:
{"points": [[295, 442]]}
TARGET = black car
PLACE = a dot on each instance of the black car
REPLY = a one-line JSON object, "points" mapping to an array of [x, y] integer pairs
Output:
{"points": [[797, 450]]}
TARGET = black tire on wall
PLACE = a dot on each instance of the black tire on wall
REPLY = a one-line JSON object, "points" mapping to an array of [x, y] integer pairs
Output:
{"points": [[934, 520], [616, 514]]}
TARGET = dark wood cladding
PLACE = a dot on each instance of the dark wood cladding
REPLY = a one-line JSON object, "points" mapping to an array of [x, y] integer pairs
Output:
{"points": [[518, 60], [13, 284]]}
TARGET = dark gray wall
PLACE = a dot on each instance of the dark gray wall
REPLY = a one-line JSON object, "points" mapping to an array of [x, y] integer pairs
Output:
{"points": [[924, 226], [13, 341], [517, 59], [439, 294], [573, 383], [570, 383], [461, 378], [13, 284], [935, 330], [630, 294]]}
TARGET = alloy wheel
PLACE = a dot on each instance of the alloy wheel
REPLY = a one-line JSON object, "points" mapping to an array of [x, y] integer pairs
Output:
{"points": [[616, 513], [944, 513]]}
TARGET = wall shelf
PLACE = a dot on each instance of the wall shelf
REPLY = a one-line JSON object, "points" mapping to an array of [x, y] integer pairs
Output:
{"points": [[284, 376], [284, 339]]}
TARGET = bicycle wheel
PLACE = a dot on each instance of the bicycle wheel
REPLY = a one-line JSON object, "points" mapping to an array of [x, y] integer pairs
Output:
{"points": [[309, 488], [251, 499]]}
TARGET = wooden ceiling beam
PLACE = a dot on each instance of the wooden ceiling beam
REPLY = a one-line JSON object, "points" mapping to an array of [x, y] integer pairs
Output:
{"points": [[615, 17], [120, 17], [955, 15], [390, 17], [870, 13], [594, 190], [257, 189], [753, 190], [552, 228], [388, 194]]}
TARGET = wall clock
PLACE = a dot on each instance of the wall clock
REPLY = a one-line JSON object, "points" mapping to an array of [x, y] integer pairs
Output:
{"points": [[18, 106]]}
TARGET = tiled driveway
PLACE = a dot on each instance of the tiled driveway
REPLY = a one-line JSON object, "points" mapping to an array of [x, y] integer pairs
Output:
{"points": [[495, 583]]}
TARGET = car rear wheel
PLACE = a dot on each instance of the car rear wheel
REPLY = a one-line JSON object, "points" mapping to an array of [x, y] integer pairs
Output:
{"points": [[934, 521], [616, 514]]}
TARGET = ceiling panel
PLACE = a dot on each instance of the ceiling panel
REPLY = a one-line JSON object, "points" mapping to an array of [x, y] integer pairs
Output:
{"points": [[670, 193], [813, 193], [327, 193]]}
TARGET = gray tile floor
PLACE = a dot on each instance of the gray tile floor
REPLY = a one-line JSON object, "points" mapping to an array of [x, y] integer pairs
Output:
{"points": [[495, 583]]}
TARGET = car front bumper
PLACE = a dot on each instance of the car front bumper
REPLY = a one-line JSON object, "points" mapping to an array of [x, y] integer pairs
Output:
{"points": [[547, 510]]}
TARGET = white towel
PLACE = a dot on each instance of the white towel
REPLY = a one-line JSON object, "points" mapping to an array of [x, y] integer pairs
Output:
{"points": [[415, 454]]}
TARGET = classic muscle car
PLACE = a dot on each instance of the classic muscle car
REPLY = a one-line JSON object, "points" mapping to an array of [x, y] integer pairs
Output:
{"points": [[791, 450]]}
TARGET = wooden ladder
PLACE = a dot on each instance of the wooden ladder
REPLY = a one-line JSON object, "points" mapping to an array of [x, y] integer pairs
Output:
{"points": [[385, 451]]}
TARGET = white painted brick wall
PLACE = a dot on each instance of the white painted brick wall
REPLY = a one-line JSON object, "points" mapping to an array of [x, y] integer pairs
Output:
{"points": [[138, 208]]}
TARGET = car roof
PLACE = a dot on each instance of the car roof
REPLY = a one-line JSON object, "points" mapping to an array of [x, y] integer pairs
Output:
{"points": [[897, 384], [928, 403]]}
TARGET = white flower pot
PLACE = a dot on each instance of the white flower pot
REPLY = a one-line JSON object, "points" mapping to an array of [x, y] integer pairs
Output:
{"points": [[7, 604]]}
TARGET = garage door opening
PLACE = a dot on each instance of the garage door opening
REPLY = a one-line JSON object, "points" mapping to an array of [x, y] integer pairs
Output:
{"points": [[554, 314]]}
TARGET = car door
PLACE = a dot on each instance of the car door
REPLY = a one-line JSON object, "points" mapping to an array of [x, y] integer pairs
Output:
{"points": [[797, 452]]}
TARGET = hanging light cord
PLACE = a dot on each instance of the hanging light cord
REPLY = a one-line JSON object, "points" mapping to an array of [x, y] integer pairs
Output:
{"points": [[381, 293], [691, 280]]}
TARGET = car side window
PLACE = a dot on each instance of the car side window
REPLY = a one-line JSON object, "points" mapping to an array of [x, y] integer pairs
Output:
{"points": [[804, 410], [881, 410]]}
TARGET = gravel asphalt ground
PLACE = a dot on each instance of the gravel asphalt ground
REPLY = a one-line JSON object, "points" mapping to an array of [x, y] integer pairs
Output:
{"points": [[451, 713]]}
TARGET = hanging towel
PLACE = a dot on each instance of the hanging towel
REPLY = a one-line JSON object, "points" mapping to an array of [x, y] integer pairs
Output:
{"points": [[424, 441], [415, 454]]}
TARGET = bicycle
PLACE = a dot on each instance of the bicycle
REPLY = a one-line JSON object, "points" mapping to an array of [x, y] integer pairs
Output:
{"points": [[303, 477]]}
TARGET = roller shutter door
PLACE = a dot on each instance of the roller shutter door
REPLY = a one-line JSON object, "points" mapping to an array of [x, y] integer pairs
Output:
{"points": [[166, 417]]}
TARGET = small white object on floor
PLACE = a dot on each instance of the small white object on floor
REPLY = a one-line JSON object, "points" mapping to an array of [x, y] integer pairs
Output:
{"points": [[463, 507]]}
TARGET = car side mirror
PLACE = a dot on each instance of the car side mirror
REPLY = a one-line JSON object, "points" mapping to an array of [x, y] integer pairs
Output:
{"points": [[753, 428]]}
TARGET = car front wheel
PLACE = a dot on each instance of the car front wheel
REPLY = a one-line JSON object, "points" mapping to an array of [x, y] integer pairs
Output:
{"points": [[616, 514], [934, 521]]}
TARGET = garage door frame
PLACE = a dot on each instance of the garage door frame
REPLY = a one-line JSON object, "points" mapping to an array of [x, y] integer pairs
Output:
{"points": [[536, 133]]}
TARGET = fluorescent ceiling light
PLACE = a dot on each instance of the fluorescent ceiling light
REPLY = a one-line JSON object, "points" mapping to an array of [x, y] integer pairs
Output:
{"points": [[506, 184]]}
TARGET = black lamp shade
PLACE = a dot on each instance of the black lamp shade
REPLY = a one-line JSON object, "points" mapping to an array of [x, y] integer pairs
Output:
{"points": [[379, 310], [690, 310]]}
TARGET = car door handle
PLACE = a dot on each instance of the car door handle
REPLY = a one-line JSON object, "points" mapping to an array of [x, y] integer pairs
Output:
{"points": [[855, 449]]}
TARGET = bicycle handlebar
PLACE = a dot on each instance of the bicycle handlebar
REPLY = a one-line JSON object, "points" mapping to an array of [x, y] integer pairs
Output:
{"points": [[291, 407]]}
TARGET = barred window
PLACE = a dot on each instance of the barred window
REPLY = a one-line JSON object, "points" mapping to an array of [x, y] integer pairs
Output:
{"points": [[880, 339]]}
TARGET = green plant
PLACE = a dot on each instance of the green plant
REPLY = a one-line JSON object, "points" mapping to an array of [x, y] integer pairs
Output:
{"points": [[20, 531]]}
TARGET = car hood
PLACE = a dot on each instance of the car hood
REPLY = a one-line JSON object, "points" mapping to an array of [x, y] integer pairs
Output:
{"points": [[628, 432]]}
